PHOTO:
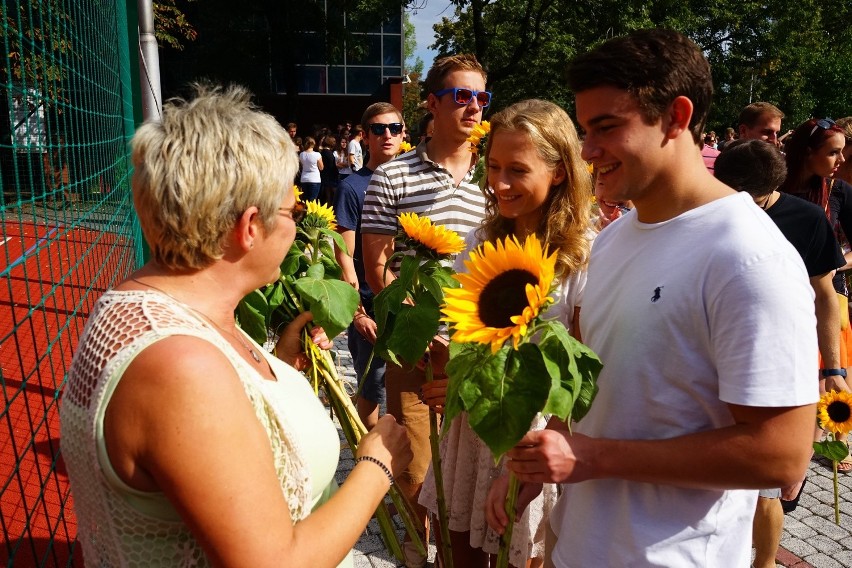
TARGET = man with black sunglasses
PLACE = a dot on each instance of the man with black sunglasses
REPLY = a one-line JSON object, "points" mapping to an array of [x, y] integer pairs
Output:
{"points": [[383, 124], [434, 180]]}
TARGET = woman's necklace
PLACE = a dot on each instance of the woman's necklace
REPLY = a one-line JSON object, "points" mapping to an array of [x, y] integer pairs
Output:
{"points": [[245, 345], [766, 203]]}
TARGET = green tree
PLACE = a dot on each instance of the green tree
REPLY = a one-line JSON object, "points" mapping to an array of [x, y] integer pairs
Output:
{"points": [[793, 53], [171, 25], [412, 110]]}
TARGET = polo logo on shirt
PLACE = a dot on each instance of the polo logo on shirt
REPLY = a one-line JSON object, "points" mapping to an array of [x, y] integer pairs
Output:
{"points": [[657, 293]]}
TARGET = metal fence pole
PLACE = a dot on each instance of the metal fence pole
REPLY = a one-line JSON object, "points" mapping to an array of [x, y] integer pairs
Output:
{"points": [[149, 63]]}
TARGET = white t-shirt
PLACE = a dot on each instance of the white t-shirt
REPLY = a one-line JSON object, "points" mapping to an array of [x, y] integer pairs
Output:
{"points": [[310, 169], [710, 308], [355, 150]]}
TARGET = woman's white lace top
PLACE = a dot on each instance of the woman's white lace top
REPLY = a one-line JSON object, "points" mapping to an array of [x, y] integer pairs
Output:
{"points": [[121, 526]]}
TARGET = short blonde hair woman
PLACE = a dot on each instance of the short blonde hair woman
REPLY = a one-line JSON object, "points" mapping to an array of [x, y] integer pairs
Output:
{"points": [[186, 442]]}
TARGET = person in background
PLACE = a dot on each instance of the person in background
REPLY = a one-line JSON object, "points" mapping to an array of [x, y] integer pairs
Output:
{"points": [[292, 130], [435, 180], [706, 394], [311, 166], [537, 185], [758, 168], [709, 153], [426, 127], [341, 159], [730, 136], [844, 172], [760, 121], [383, 124], [185, 441], [608, 211], [328, 174], [355, 151], [814, 154]]}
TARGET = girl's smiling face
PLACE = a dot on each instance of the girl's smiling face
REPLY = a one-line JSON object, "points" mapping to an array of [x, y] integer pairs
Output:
{"points": [[520, 178]]}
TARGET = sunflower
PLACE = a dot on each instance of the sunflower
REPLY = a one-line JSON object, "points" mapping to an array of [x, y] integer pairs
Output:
{"points": [[835, 412], [298, 193], [320, 216], [431, 240], [479, 137], [404, 147], [505, 289]]}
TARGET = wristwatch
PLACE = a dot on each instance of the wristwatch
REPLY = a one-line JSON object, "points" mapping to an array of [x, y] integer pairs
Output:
{"points": [[832, 373]]}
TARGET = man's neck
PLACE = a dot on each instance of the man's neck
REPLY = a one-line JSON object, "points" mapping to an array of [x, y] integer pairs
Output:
{"points": [[454, 155], [684, 185], [376, 161]]}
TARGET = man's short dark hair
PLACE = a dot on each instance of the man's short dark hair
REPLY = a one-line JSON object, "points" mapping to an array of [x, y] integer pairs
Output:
{"points": [[752, 113], [376, 109], [656, 67], [443, 66], [753, 166]]}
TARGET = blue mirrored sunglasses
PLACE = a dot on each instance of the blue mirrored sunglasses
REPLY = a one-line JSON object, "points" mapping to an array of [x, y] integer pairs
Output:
{"points": [[463, 96], [824, 123], [377, 128]]}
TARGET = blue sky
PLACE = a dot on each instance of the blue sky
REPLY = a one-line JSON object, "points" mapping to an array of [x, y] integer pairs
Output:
{"points": [[423, 14]]}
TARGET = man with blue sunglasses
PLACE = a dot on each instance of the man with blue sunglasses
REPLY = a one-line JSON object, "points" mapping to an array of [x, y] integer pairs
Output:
{"points": [[434, 180]]}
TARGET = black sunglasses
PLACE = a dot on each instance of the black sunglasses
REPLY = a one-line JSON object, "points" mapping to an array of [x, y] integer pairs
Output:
{"points": [[377, 128], [463, 96], [824, 123]]}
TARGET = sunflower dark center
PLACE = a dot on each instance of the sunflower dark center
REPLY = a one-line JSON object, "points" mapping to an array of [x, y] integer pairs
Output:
{"points": [[839, 411], [504, 297]]}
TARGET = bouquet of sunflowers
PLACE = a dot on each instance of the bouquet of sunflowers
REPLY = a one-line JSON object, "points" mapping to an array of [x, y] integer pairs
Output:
{"points": [[310, 279], [508, 362]]}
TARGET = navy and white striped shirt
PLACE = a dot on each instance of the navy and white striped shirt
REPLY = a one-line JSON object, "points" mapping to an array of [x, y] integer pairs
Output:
{"points": [[412, 183]]}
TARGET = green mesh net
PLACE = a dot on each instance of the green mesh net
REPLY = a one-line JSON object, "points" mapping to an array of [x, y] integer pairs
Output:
{"points": [[68, 233]]}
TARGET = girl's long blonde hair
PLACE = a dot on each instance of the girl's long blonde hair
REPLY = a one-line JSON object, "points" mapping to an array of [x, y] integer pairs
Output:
{"points": [[565, 219]]}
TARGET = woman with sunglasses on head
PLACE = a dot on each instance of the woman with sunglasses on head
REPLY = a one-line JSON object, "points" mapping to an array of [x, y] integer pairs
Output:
{"points": [[187, 443], [537, 184], [814, 155]]}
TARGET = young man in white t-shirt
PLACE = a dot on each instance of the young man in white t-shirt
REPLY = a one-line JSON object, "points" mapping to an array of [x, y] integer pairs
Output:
{"points": [[703, 317]]}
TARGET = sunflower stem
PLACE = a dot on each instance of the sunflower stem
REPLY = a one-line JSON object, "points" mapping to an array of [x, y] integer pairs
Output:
{"points": [[353, 430], [506, 539], [446, 555], [836, 502]]}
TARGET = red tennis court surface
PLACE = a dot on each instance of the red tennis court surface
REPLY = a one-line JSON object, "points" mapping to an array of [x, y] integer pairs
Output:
{"points": [[51, 276]]}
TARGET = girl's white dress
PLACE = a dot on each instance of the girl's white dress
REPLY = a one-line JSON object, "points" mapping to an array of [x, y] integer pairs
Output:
{"points": [[468, 466]]}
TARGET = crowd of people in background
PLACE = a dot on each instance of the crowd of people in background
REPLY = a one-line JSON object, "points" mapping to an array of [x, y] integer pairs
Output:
{"points": [[327, 156]]}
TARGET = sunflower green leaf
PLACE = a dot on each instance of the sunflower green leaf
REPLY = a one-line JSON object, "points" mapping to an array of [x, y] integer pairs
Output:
{"points": [[503, 395], [251, 315], [332, 302]]}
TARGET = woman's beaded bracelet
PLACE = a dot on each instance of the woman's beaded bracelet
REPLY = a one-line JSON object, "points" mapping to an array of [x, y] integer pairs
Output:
{"points": [[379, 463]]}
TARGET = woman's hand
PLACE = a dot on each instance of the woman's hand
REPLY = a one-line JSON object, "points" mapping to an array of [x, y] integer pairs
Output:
{"points": [[289, 346], [387, 442]]}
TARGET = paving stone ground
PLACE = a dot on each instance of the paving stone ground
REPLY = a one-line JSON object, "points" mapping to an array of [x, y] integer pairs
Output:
{"points": [[811, 539]]}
